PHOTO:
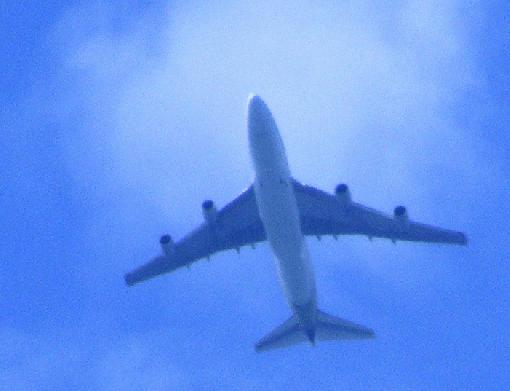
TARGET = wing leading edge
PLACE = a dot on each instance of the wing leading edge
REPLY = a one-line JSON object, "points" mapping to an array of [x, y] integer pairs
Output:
{"points": [[236, 225], [327, 214]]}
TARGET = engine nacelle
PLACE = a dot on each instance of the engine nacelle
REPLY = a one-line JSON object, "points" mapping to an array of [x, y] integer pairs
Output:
{"points": [[343, 194], [401, 218], [167, 245], [209, 210]]}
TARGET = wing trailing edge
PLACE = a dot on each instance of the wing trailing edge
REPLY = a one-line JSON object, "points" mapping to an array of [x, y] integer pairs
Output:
{"points": [[158, 265]]}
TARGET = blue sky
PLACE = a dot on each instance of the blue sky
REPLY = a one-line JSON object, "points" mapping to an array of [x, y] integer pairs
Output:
{"points": [[118, 120]]}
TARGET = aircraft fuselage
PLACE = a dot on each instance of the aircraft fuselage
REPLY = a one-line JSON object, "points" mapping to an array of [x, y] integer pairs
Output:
{"points": [[279, 213]]}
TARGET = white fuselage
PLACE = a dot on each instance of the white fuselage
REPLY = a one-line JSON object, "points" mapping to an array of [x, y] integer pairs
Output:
{"points": [[279, 212]]}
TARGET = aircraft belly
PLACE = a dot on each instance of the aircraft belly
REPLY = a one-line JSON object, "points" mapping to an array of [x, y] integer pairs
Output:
{"points": [[280, 216], [296, 280]]}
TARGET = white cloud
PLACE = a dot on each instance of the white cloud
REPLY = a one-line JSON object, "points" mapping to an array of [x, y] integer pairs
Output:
{"points": [[367, 86], [34, 360], [138, 364], [151, 104]]}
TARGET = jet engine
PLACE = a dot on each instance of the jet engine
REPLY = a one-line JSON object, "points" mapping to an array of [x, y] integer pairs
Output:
{"points": [[401, 218], [209, 210], [343, 194], [167, 245]]}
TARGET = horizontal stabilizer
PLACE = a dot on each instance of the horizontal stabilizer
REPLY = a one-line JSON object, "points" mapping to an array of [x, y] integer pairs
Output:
{"points": [[288, 334], [330, 327]]}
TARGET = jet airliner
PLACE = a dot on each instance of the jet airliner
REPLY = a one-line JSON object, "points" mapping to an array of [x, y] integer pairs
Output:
{"points": [[282, 211]]}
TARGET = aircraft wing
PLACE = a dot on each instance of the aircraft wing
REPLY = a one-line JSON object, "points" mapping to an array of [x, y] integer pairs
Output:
{"points": [[234, 226], [326, 214]]}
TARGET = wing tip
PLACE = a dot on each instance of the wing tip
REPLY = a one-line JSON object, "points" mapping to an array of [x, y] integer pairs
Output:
{"points": [[370, 334], [129, 280]]}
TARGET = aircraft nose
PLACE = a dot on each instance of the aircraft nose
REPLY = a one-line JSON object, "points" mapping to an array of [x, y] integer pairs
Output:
{"points": [[260, 119], [256, 105]]}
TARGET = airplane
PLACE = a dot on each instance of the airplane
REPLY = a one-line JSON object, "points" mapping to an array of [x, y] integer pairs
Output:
{"points": [[282, 211]]}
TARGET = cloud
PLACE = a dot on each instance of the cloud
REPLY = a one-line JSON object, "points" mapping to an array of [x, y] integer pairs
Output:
{"points": [[329, 72], [150, 104], [366, 94], [164, 106], [34, 360], [138, 364]]}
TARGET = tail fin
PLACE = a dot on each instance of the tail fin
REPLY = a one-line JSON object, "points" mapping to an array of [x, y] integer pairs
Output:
{"points": [[328, 328]]}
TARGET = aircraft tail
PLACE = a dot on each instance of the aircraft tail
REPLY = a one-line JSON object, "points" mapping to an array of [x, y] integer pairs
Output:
{"points": [[328, 328], [288, 334]]}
